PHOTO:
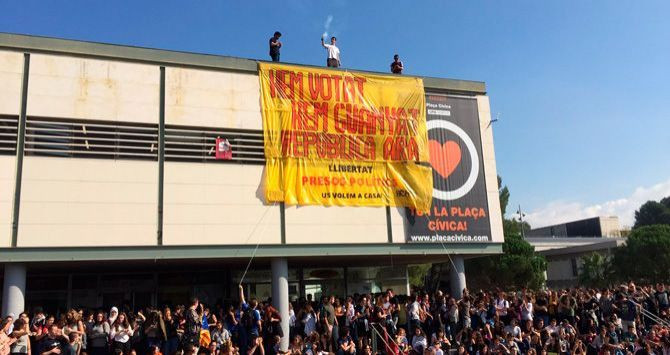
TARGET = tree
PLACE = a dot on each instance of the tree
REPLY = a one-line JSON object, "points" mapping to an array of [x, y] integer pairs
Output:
{"points": [[510, 226], [652, 212], [518, 266], [417, 274], [596, 271], [666, 201], [646, 255], [513, 227], [503, 194]]}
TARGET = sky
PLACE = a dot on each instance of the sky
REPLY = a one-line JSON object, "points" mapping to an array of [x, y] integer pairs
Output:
{"points": [[581, 88]]}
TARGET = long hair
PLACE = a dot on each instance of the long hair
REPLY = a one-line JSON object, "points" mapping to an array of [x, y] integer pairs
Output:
{"points": [[121, 325], [72, 317]]}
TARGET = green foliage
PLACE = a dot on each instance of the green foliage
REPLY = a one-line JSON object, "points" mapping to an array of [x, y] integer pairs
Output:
{"points": [[652, 212], [518, 266], [417, 274], [513, 227], [596, 271], [646, 255], [503, 194]]}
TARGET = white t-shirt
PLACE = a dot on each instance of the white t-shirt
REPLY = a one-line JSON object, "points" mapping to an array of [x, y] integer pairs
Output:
{"points": [[351, 313], [514, 330], [501, 306], [527, 312], [291, 318], [333, 51], [122, 335]]}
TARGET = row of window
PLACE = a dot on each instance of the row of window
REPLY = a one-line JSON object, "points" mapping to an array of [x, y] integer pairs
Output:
{"points": [[125, 140]]}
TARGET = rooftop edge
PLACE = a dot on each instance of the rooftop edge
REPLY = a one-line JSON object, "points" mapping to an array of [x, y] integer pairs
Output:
{"points": [[78, 48]]}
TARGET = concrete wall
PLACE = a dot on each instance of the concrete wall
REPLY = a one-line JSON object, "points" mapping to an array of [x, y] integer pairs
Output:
{"points": [[490, 172], [7, 178], [212, 99], [217, 204], [11, 71], [81, 202], [93, 89], [330, 225], [610, 226], [87, 202]]}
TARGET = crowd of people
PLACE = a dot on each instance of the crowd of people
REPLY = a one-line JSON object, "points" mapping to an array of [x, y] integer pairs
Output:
{"points": [[625, 320]]}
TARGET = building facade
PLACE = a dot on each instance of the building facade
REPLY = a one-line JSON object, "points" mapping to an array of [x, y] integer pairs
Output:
{"points": [[601, 226], [110, 192]]}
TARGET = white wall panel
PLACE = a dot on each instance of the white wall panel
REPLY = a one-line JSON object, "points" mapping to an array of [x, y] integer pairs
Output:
{"points": [[212, 98], [93, 89], [7, 178], [11, 71], [331, 225], [88, 202], [490, 172], [217, 204]]}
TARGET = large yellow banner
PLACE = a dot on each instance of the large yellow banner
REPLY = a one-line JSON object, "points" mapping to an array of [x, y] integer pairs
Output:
{"points": [[345, 139]]}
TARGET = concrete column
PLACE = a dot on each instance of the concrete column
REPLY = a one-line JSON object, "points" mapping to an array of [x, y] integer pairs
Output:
{"points": [[280, 296], [457, 276], [14, 289]]}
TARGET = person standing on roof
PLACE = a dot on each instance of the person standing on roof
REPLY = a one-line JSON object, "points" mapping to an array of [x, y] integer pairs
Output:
{"points": [[333, 53], [275, 45], [396, 66]]}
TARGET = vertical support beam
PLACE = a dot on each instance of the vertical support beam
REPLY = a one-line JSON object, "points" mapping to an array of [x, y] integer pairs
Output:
{"points": [[282, 222], [457, 281], [20, 144], [409, 288], [280, 296], [14, 289], [161, 157], [389, 230]]}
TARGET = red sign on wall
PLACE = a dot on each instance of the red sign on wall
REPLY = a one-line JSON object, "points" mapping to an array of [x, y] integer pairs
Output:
{"points": [[224, 150]]}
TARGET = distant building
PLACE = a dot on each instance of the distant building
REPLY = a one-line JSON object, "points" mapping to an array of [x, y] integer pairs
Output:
{"points": [[564, 245], [564, 256], [590, 227]]}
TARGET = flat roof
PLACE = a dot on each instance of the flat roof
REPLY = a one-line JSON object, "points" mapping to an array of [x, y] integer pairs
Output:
{"points": [[58, 46]]}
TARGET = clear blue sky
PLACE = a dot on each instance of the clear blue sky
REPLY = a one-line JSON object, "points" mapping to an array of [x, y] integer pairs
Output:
{"points": [[582, 87]]}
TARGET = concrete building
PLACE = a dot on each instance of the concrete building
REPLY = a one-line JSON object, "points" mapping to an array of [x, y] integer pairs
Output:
{"points": [[564, 245], [110, 194], [589, 227]]}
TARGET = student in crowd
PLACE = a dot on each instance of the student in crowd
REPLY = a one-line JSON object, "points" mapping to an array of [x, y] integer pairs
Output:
{"points": [[98, 335], [636, 324]]}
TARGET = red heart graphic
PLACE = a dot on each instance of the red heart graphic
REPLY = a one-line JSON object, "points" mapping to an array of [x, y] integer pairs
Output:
{"points": [[444, 157]]}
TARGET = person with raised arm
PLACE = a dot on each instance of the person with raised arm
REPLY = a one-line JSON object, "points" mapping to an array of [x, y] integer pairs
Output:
{"points": [[333, 60]]}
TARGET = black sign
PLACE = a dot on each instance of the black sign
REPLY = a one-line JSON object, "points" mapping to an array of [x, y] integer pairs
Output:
{"points": [[460, 211]]}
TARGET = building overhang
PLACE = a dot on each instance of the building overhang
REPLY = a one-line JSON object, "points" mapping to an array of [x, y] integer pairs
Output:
{"points": [[599, 244], [418, 252]]}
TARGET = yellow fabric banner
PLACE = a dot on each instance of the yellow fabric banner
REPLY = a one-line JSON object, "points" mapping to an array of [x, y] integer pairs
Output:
{"points": [[344, 139]]}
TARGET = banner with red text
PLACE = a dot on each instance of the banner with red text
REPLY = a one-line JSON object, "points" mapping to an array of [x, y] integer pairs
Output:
{"points": [[345, 139]]}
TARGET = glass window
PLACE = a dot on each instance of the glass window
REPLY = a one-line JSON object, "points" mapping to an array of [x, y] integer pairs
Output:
{"points": [[323, 273]]}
